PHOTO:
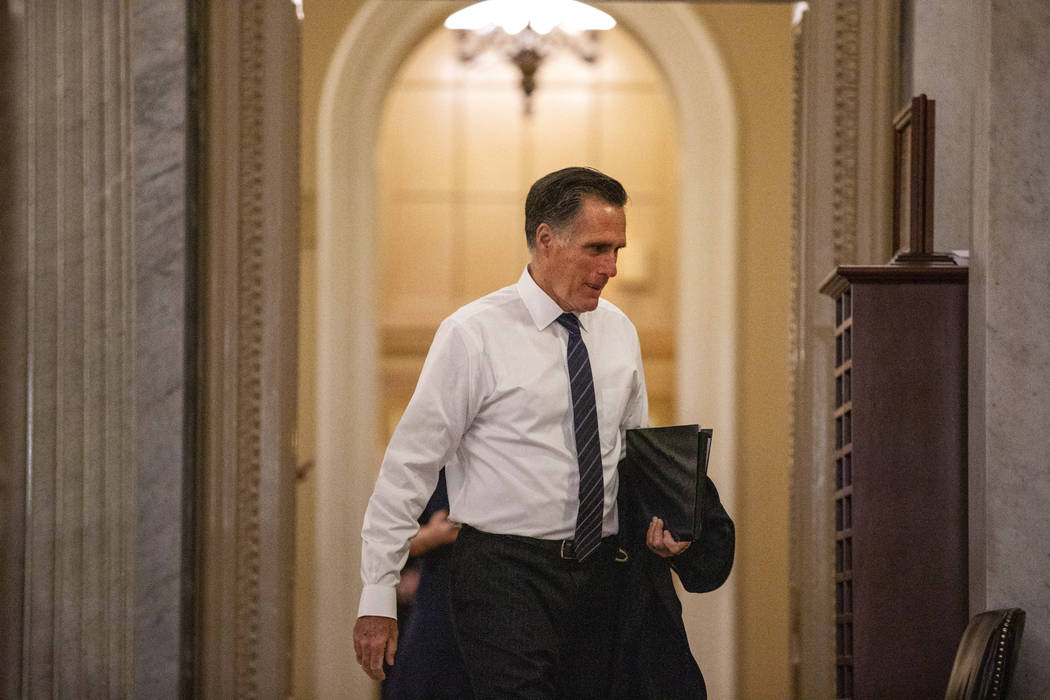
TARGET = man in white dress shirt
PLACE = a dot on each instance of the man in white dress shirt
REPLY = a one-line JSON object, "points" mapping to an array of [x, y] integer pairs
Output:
{"points": [[493, 403]]}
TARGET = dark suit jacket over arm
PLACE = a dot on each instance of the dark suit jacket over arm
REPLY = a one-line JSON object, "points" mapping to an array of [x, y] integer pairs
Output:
{"points": [[653, 659]]}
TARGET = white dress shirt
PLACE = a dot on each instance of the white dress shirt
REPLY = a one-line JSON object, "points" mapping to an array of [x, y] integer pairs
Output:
{"points": [[493, 405]]}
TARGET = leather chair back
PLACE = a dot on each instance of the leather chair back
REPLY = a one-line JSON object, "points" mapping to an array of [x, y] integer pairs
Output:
{"points": [[987, 654]]}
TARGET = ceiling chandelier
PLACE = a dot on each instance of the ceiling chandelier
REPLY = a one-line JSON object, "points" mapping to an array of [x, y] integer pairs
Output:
{"points": [[527, 31]]}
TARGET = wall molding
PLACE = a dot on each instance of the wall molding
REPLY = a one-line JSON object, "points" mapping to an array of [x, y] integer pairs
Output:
{"points": [[846, 106], [795, 336], [250, 270], [251, 228]]}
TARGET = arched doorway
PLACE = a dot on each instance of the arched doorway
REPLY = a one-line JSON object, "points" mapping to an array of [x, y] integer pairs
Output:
{"points": [[373, 47]]}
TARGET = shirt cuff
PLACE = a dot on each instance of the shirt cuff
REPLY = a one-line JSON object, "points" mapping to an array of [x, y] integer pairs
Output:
{"points": [[377, 599]]}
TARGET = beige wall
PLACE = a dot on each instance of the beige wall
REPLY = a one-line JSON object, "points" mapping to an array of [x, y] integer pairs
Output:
{"points": [[756, 47], [755, 40], [326, 22]]}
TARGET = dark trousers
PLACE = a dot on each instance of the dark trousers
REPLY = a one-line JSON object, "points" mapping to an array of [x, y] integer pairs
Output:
{"points": [[530, 623]]}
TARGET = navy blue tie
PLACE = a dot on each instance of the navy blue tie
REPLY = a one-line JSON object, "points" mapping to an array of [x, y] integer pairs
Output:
{"points": [[588, 448]]}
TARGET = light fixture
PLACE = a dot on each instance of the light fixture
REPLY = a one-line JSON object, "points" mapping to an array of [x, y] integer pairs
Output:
{"points": [[798, 11], [527, 31]]}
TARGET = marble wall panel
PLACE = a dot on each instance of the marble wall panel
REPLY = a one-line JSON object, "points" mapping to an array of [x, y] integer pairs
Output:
{"points": [[943, 32], [1015, 290], [161, 55]]}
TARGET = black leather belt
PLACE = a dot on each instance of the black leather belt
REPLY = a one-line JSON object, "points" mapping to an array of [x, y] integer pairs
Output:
{"points": [[560, 549]]}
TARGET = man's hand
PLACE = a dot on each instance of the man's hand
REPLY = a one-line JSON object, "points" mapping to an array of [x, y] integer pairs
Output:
{"points": [[660, 541], [375, 638]]}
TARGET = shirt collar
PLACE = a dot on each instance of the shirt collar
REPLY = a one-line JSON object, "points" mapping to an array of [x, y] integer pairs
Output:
{"points": [[542, 308]]}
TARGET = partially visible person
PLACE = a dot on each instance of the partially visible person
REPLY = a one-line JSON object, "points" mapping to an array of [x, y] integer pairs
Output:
{"points": [[428, 665], [653, 659]]}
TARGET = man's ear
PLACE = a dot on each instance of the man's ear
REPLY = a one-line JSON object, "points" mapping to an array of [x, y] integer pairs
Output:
{"points": [[544, 236]]}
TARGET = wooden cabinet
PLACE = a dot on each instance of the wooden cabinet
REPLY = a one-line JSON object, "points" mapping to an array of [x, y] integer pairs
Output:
{"points": [[901, 559]]}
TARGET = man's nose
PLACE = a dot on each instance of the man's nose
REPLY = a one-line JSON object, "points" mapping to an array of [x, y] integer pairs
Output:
{"points": [[610, 265]]}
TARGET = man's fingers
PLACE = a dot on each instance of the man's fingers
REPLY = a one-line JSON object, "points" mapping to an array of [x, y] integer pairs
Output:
{"points": [[391, 647], [661, 541], [375, 668], [673, 546], [373, 664], [652, 537]]}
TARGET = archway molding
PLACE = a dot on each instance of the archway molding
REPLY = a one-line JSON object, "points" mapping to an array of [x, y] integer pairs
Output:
{"points": [[364, 65]]}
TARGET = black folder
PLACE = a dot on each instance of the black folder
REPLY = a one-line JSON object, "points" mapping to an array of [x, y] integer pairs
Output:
{"points": [[664, 474]]}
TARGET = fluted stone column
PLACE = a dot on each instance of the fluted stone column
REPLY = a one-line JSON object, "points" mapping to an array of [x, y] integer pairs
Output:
{"points": [[94, 433]]}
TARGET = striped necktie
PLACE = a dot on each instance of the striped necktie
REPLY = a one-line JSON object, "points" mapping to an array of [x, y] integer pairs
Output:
{"points": [[588, 449]]}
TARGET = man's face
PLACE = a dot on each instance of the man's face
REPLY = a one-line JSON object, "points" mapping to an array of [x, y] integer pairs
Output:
{"points": [[576, 262]]}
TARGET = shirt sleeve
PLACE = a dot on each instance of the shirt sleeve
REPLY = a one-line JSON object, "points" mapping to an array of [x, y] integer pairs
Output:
{"points": [[425, 439], [637, 413]]}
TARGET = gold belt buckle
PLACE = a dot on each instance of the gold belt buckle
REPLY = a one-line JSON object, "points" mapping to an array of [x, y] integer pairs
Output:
{"points": [[572, 550]]}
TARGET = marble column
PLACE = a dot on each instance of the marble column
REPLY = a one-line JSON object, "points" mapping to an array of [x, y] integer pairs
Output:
{"points": [[94, 402]]}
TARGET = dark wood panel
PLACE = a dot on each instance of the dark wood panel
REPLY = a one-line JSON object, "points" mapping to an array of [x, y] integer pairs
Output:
{"points": [[909, 503], [901, 505]]}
